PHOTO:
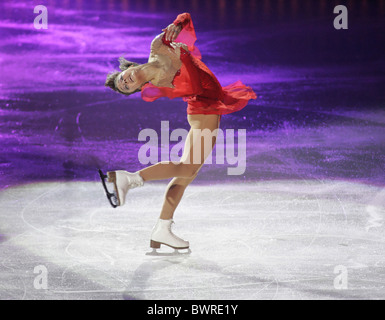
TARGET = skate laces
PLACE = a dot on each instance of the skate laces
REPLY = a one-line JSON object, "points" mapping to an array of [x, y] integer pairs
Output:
{"points": [[135, 180], [174, 235], [170, 225]]}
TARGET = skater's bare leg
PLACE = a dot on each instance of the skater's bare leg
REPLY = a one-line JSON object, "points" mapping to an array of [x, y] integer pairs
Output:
{"points": [[178, 185], [167, 169], [189, 165], [186, 168], [173, 195]]}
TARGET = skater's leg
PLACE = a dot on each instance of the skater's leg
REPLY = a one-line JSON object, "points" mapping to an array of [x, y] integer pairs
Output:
{"points": [[167, 169], [162, 233], [189, 165], [178, 185], [184, 169], [173, 195]]}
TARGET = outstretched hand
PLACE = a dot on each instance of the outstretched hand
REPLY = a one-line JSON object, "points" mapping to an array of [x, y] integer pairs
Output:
{"points": [[172, 31]]}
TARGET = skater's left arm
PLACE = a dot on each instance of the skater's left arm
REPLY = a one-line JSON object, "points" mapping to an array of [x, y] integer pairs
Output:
{"points": [[157, 42], [171, 32], [173, 29]]}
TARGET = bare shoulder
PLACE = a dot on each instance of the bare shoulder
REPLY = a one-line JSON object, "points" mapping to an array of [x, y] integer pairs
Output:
{"points": [[157, 41]]}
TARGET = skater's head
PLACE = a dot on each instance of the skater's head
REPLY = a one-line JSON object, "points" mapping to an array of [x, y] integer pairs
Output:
{"points": [[127, 81]]}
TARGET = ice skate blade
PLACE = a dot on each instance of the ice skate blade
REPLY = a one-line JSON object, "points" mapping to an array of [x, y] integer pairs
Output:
{"points": [[156, 245], [111, 177], [176, 252], [112, 198]]}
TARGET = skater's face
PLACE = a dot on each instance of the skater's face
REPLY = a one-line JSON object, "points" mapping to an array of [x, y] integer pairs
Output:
{"points": [[129, 80]]}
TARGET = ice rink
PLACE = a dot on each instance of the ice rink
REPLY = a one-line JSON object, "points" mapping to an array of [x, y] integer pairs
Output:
{"points": [[305, 239], [304, 221]]}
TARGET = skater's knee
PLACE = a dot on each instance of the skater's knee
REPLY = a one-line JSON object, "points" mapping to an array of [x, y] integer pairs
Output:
{"points": [[190, 171], [187, 170]]}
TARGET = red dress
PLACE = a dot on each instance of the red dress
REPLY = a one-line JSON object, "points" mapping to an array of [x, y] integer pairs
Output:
{"points": [[195, 83]]}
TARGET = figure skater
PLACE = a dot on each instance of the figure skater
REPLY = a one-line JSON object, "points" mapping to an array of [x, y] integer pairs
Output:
{"points": [[174, 69]]}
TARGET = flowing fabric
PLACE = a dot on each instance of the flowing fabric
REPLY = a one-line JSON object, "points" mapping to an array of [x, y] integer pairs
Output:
{"points": [[195, 83]]}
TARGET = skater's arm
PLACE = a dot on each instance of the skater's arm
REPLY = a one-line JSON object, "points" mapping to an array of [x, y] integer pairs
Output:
{"points": [[173, 29], [171, 32], [157, 41], [182, 20]]}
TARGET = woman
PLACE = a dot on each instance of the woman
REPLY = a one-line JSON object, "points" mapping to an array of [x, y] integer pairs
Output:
{"points": [[174, 69]]}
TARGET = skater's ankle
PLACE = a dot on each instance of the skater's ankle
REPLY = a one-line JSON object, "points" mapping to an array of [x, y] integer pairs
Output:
{"points": [[142, 175], [166, 216]]}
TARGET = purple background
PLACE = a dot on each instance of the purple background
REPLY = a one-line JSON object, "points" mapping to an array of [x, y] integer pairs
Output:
{"points": [[320, 111]]}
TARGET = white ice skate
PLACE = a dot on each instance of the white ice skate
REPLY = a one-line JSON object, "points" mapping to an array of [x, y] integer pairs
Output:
{"points": [[124, 181], [162, 234]]}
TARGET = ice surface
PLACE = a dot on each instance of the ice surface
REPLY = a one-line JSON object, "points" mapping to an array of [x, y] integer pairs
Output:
{"points": [[262, 240], [313, 199]]}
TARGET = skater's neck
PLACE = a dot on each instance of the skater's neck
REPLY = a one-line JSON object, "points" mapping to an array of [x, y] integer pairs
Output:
{"points": [[151, 70]]}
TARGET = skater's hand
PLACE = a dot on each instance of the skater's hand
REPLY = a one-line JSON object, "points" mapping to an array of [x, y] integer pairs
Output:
{"points": [[172, 31]]}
